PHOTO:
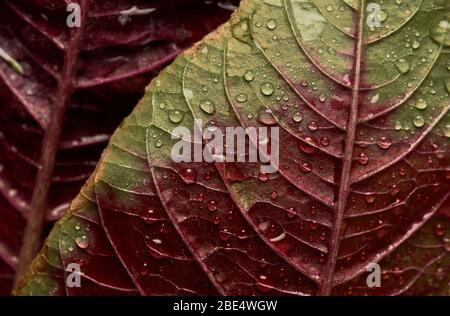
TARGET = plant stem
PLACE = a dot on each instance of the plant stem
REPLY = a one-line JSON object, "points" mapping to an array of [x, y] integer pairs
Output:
{"points": [[33, 235]]}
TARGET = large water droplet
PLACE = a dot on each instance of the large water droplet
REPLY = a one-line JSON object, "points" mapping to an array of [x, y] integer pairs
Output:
{"points": [[157, 241], [241, 98], [370, 198], [375, 98], [207, 106], [402, 65], [224, 235], [306, 148], [176, 116], [158, 143], [440, 33], [418, 121], [297, 117], [313, 126], [271, 24], [263, 177], [249, 75], [384, 143], [82, 242], [325, 141], [363, 159], [267, 88], [421, 104]]}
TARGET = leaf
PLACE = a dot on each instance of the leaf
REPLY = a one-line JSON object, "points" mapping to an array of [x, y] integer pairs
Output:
{"points": [[363, 174], [122, 45]]}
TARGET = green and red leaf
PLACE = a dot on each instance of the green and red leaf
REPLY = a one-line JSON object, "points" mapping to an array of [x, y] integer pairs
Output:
{"points": [[364, 169], [123, 44]]}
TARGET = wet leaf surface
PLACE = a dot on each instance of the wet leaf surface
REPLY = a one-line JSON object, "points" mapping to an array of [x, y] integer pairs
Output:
{"points": [[124, 45], [363, 174]]}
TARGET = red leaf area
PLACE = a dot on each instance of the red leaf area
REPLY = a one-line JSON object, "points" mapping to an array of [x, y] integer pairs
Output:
{"points": [[350, 189], [119, 52]]}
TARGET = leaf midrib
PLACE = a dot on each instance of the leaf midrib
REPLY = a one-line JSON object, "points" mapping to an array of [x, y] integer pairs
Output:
{"points": [[344, 183]]}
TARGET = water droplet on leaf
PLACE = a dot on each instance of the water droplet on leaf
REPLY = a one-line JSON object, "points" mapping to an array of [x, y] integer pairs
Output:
{"points": [[263, 177], [325, 141], [370, 198], [241, 98], [297, 117], [176, 116], [207, 106], [249, 75], [267, 89], [158, 143], [212, 206], [307, 149], [363, 159], [384, 143], [440, 33], [421, 104], [439, 229], [418, 121], [402, 65], [82, 242], [271, 24], [313, 126]]}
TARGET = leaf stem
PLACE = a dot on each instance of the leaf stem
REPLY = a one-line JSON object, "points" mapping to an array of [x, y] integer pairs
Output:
{"points": [[32, 239], [328, 278]]}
